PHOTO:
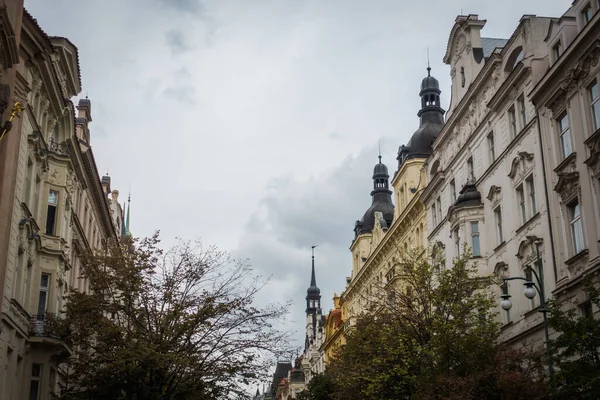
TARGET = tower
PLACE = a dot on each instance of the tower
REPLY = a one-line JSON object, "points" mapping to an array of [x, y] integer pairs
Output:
{"points": [[313, 305]]}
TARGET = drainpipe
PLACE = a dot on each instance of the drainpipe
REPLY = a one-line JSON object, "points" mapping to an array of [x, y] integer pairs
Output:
{"points": [[537, 115]]}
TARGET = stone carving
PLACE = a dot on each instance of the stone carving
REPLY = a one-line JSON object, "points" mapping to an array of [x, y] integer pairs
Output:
{"points": [[521, 165], [501, 269], [527, 252], [494, 195], [53, 176], [593, 161], [568, 185]]}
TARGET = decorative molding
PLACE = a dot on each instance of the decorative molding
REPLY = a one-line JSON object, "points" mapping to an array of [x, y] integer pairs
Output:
{"points": [[527, 251], [494, 194], [593, 161], [521, 164], [568, 185], [501, 269]]}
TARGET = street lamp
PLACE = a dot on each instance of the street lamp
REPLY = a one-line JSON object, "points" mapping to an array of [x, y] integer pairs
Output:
{"points": [[531, 287]]}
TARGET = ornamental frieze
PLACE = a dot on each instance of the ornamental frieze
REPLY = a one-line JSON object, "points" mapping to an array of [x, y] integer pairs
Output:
{"points": [[568, 185]]}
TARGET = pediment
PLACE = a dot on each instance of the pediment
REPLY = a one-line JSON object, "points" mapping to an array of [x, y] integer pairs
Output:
{"points": [[521, 165], [68, 65], [527, 251], [494, 194], [567, 185]]}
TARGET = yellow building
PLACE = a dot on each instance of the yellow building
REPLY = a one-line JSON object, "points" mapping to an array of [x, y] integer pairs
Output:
{"points": [[386, 232], [335, 324]]}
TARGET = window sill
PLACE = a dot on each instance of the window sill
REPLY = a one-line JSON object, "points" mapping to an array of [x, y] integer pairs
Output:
{"points": [[501, 245], [475, 257], [506, 325], [528, 222], [531, 312], [577, 257]]}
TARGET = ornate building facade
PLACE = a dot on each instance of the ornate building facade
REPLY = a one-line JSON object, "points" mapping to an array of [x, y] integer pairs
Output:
{"points": [[60, 210], [387, 232], [567, 100]]}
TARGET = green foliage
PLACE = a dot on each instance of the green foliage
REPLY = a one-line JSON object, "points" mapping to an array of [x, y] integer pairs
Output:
{"points": [[576, 349], [431, 335], [174, 325], [320, 387]]}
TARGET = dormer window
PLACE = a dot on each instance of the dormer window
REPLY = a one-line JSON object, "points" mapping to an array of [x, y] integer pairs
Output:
{"points": [[557, 50], [586, 13], [462, 76]]}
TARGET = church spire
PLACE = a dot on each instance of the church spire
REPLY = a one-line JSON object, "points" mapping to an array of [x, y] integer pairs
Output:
{"points": [[127, 231], [313, 293], [313, 279]]}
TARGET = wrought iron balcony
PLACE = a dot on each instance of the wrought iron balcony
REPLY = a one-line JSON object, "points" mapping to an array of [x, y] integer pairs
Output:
{"points": [[46, 325]]}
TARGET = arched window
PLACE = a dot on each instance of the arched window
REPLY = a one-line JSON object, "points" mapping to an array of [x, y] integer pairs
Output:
{"points": [[418, 237]]}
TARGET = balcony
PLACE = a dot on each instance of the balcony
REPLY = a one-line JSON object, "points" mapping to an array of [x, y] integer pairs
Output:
{"points": [[61, 149], [48, 331]]}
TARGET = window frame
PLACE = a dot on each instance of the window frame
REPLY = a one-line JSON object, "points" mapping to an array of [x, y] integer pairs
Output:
{"points": [[37, 378], [521, 203], [557, 49], [475, 237], [586, 16], [594, 105], [576, 227], [438, 207], [470, 170], [512, 121], [498, 223], [491, 147], [52, 212], [530, 185], [453, 191], [564, 134], [522, 110], [456, 239]]}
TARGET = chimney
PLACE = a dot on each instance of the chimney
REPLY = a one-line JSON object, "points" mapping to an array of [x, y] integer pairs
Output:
{"points": [[106, 184]]}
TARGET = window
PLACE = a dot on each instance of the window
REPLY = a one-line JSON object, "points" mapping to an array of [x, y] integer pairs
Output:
{"points": [[576, 227], [438, 205], [586, 310], [522, 207], [453, 191], [491, 147], [43, 298], [512, 122], [586, 13], [462, 77], [498, 220], [521, 103], [470, 170], [34, 386], [456, 236], [475, 238], [402, 202], [51, 214], [565, 135], [311, 303], [595, 105], [531, 193], [558, 50], [433, 215]]}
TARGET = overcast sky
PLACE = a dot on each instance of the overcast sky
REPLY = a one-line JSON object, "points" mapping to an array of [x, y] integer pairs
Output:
{"points": [[254, 124]]}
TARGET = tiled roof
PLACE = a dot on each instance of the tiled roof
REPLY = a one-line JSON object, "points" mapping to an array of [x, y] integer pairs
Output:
{"points": [[490, 44]]}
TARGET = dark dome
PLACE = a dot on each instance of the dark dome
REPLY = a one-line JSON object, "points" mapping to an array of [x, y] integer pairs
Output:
{"points": [[313, 290], [429, 82], [469, 196], [367, 223], [380, 169]]}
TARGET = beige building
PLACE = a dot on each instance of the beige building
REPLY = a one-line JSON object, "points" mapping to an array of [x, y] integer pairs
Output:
{"points": [[60, 209], [386, 232], [486, 181], [567, 100]]}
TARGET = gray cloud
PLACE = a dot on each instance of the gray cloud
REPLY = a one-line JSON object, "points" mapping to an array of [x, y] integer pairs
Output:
{"points": [[187, 6], [177, 41]]}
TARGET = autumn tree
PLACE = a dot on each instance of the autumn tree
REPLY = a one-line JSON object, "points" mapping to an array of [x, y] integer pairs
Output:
{"points": [[179, 324], [430, 334]]}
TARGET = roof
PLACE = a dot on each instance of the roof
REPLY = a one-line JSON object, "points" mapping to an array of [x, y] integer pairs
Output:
{"points": [[490, 44]]}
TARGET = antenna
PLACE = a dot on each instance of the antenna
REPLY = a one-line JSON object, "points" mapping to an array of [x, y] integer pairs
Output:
{"points": [[313, 251], [428, 67], [379, 151]]}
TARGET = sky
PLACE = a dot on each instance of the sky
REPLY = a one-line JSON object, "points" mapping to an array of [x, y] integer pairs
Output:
{"points": [[254, 125]]}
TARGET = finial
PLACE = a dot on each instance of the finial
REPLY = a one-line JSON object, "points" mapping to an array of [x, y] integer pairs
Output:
{"points": [[86, 94], [313, 251], [428, 67], [379, 156]]}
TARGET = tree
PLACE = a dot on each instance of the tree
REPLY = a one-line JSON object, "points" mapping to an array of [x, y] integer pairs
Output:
{"points": [[320, 387], [431, 334], [174, 325], [576, 348]]}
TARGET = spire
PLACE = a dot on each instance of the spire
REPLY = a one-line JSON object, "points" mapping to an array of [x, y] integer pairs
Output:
{"points": [[313, 279], [428, 67]]}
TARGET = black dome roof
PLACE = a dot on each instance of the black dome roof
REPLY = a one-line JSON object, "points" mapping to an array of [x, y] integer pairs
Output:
{"points": [[429, 82], [469, 196], [382, 201]]}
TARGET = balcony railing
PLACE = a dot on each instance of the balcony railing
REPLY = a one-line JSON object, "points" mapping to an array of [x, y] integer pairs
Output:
{"points": [[46, 325]]}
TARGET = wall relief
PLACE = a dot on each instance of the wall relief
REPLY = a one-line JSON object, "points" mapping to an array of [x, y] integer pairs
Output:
{"points": [[521, 165]]}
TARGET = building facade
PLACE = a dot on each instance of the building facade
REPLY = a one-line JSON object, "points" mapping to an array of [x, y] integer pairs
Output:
{"points": [[60, 210], [567, 102], [312, 359], [386, 232]]}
